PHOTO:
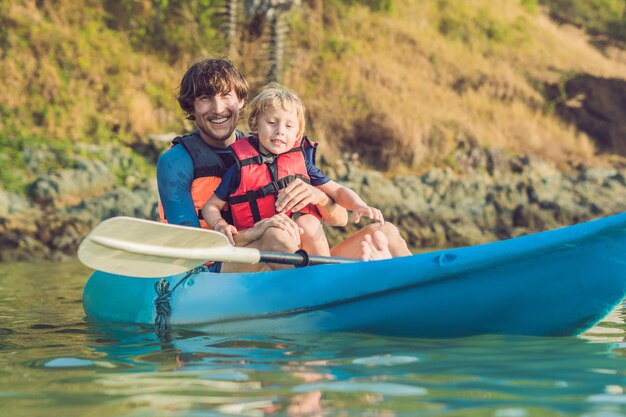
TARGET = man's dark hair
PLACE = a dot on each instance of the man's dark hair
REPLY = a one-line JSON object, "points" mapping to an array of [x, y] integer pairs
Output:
{"points": [[210, 77]]}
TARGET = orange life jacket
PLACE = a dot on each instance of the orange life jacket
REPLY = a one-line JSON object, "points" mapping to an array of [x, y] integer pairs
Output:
{"points": [[260, 179], [208, 168]]}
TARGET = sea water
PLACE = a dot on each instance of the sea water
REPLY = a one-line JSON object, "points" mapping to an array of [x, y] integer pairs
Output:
{"points": [[56, 362]]}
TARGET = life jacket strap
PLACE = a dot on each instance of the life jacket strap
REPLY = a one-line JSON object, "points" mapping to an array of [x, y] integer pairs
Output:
{"points": [[272, 188]]}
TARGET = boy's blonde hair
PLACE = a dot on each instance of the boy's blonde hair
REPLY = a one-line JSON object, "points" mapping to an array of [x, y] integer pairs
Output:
{"points": [[274, 97]]}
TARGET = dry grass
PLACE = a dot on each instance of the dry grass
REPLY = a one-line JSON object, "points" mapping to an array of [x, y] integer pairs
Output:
{"points": [[396, 89], [404, 89]]}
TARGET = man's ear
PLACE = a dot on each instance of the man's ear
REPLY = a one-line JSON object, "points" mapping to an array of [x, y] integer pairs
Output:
{"points": [[241, 104]]}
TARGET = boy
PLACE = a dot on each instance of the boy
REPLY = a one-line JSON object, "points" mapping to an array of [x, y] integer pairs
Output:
{"points": [[267, 162]]}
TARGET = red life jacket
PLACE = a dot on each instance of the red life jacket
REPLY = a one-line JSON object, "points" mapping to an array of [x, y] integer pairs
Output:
{"points": [[260, 179], [208, 168]]}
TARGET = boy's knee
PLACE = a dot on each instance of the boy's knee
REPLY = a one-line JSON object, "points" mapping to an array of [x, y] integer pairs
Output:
{"points": [[309, 222], [311, 226], [275, 239]]}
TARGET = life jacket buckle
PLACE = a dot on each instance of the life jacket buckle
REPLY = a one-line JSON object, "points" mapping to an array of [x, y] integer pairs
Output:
{"points": [[271, 188], [267, 159]]}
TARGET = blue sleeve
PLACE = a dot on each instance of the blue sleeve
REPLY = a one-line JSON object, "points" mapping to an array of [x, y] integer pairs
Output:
{"points": [[227, 185], [174, 178], [316, 176]]}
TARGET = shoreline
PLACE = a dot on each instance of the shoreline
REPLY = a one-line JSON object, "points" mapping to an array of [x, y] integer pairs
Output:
{"points": [[480, 203]]}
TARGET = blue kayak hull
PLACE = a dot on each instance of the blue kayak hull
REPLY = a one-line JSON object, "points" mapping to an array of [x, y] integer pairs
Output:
{"points": [[554, 283]]}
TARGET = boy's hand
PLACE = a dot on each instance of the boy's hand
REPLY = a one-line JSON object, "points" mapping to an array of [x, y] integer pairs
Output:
{"points": [[367, 211], [297, 195], [227, 229]]}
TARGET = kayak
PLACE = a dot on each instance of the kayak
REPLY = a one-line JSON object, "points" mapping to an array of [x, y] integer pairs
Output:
{"points": [[553, 283]]}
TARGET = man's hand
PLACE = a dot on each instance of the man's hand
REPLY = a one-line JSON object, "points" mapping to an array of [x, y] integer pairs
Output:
{"points": [[297, 195], [279, 220]]}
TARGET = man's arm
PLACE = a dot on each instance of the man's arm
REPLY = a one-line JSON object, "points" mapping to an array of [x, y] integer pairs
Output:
{"points": [[174, 178], [280, 220], [299, 194]]}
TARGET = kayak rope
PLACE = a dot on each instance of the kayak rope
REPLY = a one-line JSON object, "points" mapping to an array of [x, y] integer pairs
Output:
{"points": [[162, 303]]}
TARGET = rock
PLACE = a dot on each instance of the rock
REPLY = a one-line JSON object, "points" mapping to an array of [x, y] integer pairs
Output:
{"points": [[597, 106], [439, 208], [70, 186], [12, 202], [380, 192], [56, 233], [466, 234], [18, 239], [4, 202], [154, 145]]}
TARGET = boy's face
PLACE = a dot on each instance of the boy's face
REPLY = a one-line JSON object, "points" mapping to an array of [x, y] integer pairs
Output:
{"points": [[277, 130], [217, 117]]}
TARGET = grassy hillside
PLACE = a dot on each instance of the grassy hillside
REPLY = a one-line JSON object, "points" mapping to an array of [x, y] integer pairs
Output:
{"points": [[84, 72], [414, 83], [403, 83]]}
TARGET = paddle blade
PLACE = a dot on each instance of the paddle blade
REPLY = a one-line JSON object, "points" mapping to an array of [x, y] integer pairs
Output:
{"points": [[143, 248], [120, 262]]}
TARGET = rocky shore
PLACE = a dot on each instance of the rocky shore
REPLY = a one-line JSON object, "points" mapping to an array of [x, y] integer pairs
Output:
{"points": [[490, 197]]}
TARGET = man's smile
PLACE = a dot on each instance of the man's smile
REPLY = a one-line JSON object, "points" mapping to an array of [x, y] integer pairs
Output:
{"points": [[219, 120]]}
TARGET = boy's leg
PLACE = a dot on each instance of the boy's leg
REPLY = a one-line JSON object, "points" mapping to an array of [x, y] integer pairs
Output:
{"points": [[353, 246], [313, 239], [275, 240]]}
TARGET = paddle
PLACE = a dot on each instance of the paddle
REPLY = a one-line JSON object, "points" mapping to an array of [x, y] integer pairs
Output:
{"points": [[148, 249]]}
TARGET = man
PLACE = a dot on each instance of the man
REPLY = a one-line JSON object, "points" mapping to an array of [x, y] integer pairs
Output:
{"points": [[213, 93]]}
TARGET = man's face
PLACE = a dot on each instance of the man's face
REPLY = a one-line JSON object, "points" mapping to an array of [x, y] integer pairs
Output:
{"points": [[217, 117]]}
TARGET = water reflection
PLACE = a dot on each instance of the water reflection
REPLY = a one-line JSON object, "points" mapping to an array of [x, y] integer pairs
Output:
{"points": [[54, 362], [304, 375]]}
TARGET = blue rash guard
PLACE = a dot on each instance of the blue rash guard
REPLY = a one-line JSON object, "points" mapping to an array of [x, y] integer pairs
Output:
{"points": [[175, 176]]}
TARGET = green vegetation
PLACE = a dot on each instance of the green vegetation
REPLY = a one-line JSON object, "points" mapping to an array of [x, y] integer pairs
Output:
{"points": [[167, 28], [403, 83], [73, 78], [598, 17]]}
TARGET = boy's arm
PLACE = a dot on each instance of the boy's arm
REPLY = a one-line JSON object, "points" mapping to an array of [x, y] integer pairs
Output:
{"points": [[211, 213], [349, 199]]}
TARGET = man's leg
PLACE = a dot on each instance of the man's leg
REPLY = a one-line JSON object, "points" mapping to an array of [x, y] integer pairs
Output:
{"points": [[353, 246], [375, 247]]}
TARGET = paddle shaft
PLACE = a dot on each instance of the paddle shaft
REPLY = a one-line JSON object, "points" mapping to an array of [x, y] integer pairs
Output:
{"points": [[301, 258], [148, 249]]}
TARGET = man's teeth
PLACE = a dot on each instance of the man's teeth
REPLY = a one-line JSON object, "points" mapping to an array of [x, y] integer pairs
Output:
{"points": [[220, 120]]}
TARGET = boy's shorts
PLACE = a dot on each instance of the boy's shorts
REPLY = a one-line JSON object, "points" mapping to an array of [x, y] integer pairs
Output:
{"points": [[215, 267]]}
